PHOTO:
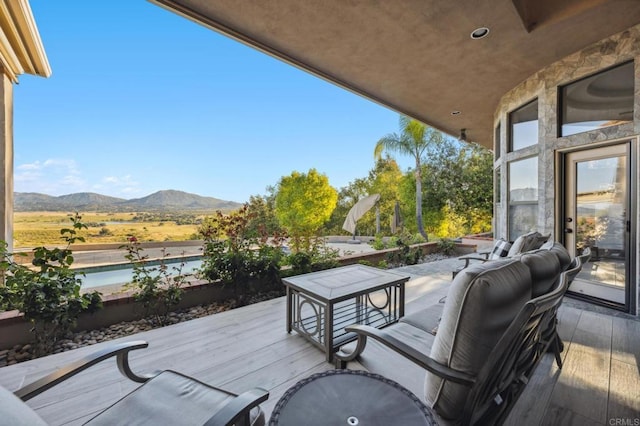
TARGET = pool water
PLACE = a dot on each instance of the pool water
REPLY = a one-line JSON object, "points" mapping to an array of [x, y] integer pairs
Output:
{"points": [[122, 274]]}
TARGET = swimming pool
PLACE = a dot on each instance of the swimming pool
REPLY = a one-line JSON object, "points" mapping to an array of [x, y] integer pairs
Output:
{"points": [[111, 275]]}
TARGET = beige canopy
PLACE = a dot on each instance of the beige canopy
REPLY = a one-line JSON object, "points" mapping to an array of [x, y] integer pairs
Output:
{"points": [[358, 210]]}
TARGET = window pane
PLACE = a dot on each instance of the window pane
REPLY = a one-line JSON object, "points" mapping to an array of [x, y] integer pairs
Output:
{"points": [[523, 218], [602, 100], [524, 126], [523, 197]]}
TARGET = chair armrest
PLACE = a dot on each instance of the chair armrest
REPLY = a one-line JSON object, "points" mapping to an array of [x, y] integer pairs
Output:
{"points": [[473, 256], [232, 412], [429, 364], [120, 350]]}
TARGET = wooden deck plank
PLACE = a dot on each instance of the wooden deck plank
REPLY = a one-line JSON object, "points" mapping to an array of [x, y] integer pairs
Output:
{"points": [[625, 342], [624, 398], [583, 385], [558, 415], [536, 396]]}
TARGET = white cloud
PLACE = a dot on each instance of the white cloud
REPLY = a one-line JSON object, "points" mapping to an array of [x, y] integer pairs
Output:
{"points": [[58, 176], [54, 176], [120, 185]]}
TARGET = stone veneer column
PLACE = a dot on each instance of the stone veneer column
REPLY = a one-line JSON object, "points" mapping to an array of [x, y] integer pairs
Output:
{"points": [[6, 161]]}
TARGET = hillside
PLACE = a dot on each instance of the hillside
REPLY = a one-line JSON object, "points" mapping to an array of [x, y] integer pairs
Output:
{"points": [[167, 200]]}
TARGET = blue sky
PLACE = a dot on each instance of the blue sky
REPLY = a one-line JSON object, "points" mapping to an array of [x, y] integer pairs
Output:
{"points": [[142, 99]]}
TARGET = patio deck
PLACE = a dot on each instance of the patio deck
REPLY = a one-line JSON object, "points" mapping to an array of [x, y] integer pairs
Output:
{"points": [[249, 347]]}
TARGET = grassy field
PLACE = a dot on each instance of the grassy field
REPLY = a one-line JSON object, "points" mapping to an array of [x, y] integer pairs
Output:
{"points": [[43, 228]]}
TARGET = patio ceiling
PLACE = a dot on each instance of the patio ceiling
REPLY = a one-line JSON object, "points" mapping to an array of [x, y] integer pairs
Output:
{"points": [[417, 56]]}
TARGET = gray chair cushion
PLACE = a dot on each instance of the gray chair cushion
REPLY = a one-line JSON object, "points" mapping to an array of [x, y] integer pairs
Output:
{"points": [[545, 270], [170, 398], [14, 411], [531, 241], [483, 300], [562, 254], [427, 319]]}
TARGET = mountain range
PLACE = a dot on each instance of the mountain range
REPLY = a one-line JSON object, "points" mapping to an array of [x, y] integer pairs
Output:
{"points": [[166, 200]]}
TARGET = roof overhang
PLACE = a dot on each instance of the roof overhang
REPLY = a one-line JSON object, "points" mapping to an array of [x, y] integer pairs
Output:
{"points": [[21, 49], [417, 56]]}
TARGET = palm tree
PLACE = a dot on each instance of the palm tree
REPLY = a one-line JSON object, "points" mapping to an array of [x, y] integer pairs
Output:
{"points": [[414, 139]]}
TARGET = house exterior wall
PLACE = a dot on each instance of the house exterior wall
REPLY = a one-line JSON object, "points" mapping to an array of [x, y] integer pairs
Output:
{"points": [[544, 86]]}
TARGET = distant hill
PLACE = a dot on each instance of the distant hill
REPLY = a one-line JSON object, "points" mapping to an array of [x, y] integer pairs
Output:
{"points": [[167, 200]]}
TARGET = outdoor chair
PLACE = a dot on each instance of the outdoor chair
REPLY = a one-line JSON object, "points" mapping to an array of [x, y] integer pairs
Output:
{"points": [[504, 249], [165, 397], [488, 343]]}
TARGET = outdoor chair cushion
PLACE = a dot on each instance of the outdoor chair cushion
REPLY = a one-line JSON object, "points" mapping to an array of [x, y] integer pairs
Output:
{"points": [[545, 270], [527, 242], [13, 411], [500, 249], [482, 302], [170, 398], [562, 254]]}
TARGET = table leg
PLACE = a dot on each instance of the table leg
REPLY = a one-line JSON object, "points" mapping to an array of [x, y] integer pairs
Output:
{"points": [[289, 309], [401, 300], [328, 331]]}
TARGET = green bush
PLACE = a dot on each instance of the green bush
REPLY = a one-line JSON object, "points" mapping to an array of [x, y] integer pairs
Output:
{"points": [[446, 246], [49, 293], [236, 257], [405, 255], [158, 288], [378, 243], [317, 258]]}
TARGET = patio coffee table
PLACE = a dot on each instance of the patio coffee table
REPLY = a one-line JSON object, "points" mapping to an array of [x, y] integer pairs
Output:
{"points": [[321, 304], [349, 398]]}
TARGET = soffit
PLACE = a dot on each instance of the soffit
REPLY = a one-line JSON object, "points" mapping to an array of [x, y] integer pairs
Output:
{"points": [[416, 56], [21, 49]]}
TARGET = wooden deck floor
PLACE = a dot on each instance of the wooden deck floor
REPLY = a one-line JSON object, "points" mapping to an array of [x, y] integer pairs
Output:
{"points": [[249, 347]]}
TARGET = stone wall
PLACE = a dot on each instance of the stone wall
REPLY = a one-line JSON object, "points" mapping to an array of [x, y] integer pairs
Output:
{"points": [[543, 85]]}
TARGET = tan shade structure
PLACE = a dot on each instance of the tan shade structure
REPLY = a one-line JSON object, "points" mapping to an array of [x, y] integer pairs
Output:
{"points": [[358, 210]]}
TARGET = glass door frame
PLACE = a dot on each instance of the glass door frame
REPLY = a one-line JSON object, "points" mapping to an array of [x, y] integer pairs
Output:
{"points": [[632, 217]]}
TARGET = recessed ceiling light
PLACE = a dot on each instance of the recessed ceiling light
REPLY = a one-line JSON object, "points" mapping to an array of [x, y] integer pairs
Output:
{"points": [[479, 33], [455, 112]]}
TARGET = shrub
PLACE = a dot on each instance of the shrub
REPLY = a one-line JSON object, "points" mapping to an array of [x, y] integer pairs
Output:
{"points": [[158, 288], [49, 293], [446, 246], [405, 255], [236, 257], [378, 243], [317, 258]]}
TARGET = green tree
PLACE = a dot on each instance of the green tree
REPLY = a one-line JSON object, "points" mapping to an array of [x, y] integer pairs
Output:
{"points": [[262, 215], [460, 187], [414, 140], [383, 179], [304, 202]]}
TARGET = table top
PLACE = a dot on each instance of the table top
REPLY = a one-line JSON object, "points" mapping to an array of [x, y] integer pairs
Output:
{"points": [[344, 282], [349, 398]]}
